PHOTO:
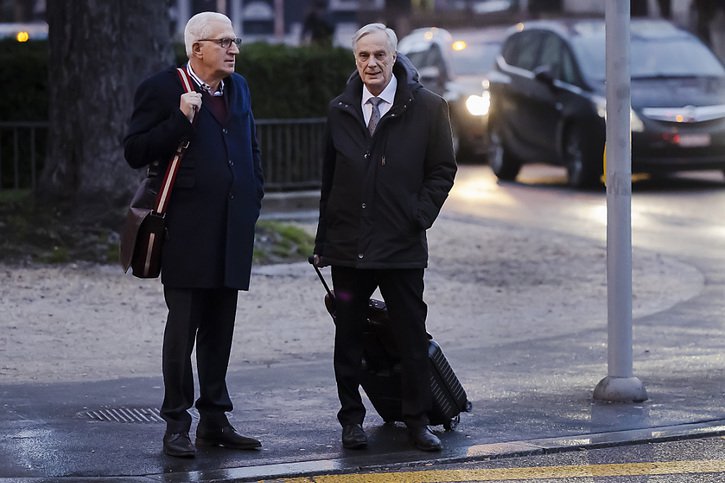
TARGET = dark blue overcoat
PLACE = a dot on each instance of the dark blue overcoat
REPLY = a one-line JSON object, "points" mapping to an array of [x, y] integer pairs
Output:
{"points": [[217, 196]]}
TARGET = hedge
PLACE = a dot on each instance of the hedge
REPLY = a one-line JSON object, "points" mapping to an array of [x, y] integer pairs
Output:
{"points": [[24, 74], [289, 82], [286, 82]]}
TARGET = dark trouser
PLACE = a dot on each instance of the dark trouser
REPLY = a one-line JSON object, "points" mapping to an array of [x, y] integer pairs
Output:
{"points": [[402, 290], [204, 316]]}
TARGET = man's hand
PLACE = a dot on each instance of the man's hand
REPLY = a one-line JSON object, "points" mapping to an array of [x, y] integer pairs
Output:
{"points": [[189, 104]]}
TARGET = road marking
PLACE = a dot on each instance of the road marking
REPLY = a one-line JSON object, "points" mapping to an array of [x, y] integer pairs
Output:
{"points": [[531, 473]]}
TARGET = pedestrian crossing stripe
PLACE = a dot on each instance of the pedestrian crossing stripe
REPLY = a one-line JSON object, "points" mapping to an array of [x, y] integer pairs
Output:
{"points": [[530, 473]]}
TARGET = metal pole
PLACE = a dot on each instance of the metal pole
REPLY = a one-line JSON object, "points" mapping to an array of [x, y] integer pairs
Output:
{"points": [[183, 14], [279, 20], [236, 15], [620, 384]]}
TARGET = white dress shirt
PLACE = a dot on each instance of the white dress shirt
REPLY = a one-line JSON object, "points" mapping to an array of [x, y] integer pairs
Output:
{"points": [[388, 96]]}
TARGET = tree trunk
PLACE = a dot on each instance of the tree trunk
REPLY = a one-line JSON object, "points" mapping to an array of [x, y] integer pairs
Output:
{"points": [[100, 51]]}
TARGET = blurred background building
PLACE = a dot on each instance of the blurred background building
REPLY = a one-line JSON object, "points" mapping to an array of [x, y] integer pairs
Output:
{"points": [[281, 21]]}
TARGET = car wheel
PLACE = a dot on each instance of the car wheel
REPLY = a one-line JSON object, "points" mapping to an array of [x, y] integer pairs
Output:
{"points": [[462, 149], [456, 143], [456, 140], [501, 161], [583, 170], [452, 424]]}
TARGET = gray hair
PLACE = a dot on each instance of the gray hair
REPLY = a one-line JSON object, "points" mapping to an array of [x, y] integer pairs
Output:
{"points": [[376, 27], [198, 27]]}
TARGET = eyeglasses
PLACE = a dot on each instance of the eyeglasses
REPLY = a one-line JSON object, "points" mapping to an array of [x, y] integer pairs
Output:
{"points": [[224, 43]]}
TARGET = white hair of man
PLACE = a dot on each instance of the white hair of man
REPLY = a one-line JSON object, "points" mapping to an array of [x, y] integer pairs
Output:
{"points": [[376, 27], [199, 27]]}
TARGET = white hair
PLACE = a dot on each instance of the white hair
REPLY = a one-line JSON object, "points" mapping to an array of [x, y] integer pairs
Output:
{"points": [[376, 27], [199, 27]]}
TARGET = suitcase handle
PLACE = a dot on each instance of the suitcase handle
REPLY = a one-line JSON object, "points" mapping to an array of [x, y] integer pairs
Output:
{"points": [[319, 274]]}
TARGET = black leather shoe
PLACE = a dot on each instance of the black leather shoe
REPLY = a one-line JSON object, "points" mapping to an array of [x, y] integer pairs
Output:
{"points": [[353, 437], [226, 437], [178, 444], [424, 439]]}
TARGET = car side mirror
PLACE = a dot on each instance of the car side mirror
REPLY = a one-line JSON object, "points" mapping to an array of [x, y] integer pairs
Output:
{"points": [[430, 75], [543, 74]]}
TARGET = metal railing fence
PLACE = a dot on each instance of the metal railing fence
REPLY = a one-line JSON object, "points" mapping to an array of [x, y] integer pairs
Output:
{"points": [[291, 153], [22, 150]]}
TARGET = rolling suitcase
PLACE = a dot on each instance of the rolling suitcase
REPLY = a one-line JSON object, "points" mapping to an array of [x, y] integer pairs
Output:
{"points": [[381, 378]]}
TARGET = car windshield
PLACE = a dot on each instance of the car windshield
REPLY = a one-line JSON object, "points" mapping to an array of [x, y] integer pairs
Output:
{"points": [[473, 59], [651, 58]]}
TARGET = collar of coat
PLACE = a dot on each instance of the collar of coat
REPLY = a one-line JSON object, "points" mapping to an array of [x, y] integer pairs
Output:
{"points": [[408, 84]]}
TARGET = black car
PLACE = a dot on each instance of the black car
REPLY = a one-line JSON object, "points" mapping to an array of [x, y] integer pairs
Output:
{"points": [[455, 65], [548, 100]]}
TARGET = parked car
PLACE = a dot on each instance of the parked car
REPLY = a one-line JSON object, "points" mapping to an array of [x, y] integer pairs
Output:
{"points": [[548, 100], [485, 6], [455, 65]]}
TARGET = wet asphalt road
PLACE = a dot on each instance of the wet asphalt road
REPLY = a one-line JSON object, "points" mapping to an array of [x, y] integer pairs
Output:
{"points": [[531, 392]]}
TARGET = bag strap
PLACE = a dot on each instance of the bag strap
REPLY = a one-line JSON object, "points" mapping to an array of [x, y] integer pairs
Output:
{"points": [[162, 199]]}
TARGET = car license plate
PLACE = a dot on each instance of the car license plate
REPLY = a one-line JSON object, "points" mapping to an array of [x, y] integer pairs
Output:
{"points": [[694, 140]]}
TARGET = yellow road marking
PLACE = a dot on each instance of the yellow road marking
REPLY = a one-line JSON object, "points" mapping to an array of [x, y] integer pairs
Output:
{"points": [[531, 473]]}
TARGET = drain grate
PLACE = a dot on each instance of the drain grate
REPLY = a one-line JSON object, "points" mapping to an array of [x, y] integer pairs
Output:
{"points": [[124, 415]]}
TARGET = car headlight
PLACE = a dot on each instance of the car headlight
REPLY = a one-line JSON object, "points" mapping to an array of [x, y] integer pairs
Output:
{"points": [[479, 105], [635, 123], [601, 104]]}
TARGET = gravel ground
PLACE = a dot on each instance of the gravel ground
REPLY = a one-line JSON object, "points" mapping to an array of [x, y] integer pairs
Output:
{"points": [[487, 282]]}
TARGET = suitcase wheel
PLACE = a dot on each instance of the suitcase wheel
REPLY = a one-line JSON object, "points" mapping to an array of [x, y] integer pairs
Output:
{"points": [[451, 424]]}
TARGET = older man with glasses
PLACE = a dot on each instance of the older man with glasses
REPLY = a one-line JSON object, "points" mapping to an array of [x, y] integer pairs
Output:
{"points": [[211, 217]]}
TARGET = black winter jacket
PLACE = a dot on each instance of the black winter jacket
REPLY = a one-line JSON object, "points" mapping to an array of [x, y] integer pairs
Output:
{"points": [[381, 193]]}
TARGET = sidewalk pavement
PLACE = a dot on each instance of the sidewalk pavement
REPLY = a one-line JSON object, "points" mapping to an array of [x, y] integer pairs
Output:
{"points": [[520, 314]]}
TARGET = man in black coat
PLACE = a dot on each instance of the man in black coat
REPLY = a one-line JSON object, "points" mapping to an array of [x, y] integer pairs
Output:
{"points": [[388, 168], [213, 208]]}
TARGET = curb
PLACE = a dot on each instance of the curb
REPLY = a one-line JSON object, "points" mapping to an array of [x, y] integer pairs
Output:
{"points": [[473, 453], [283, 204], [480, 452]]}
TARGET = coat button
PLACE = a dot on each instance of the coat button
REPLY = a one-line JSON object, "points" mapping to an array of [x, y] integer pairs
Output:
{"points": [[231, 163], [360, 256], [231, 196], [364, 205], [225, 131]]}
